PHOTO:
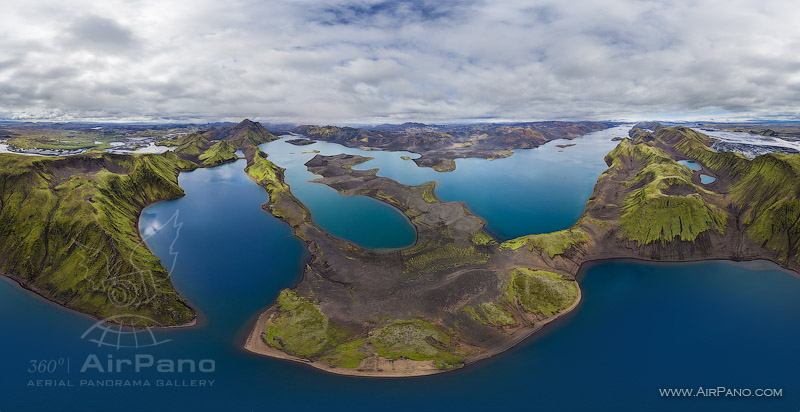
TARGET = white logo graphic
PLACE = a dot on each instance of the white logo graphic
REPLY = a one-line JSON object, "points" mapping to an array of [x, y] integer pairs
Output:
{"points": [[123, 331], [131, 286]]}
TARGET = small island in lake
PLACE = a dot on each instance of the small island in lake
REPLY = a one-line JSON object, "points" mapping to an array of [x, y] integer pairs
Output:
{"points": [[300, 142], [457, 295]]}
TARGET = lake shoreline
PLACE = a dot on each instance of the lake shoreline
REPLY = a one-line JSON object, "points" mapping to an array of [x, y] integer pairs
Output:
{"points": [[254, 344], [595, 238], [34, 293]]}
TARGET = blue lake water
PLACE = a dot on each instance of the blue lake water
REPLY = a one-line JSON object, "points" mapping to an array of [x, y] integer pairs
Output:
{"points": [[342, 216], [690, 164], [534, 191], [706, 179], [640, 327]]}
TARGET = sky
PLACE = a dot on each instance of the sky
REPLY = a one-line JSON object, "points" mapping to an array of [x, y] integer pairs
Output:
{"points": [[363, 61]]}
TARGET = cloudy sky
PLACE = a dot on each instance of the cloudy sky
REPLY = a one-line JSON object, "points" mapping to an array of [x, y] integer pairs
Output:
{"points": [[335, 61]]}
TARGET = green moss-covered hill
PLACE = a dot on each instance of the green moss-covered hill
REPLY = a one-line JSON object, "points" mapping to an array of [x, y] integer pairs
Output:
{"points": [[762, 194], [648, 205], [68, 230], [457, 295], [68, 225], [217, 145]]}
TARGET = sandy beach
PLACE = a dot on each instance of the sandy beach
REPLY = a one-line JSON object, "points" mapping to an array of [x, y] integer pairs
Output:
{"points": [[377, 366]]}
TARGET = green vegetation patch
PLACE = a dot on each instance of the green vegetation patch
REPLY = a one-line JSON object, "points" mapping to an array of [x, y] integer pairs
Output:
{"points": [[766, 189], [74, 136], [442, 257], [302, 329], [482, 238], [264, 171], [191, 144], [650, 215], [429, 195], [550, 243], [219, 153], [540, 291], [416, 340], [490, 313], [696, 146], [69, 226], [650, 219], [324, 131], [778, 226], [347, 355]]}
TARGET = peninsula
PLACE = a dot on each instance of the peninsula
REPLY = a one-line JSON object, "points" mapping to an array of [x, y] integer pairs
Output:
{"points": [[440, 145], [457, 295], [69, 224], [69, 227]]}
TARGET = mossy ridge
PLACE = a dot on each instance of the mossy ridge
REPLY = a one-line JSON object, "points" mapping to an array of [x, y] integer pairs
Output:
{"points": [[263, 170], [648, 214], [191, 144], [418, 340], [270, 176], [667, 218], [69, 231], [767, 179], [768, 193], [540, 291], [695, 145], [321, 131], [219, 153], [552, 244], [242, 136], [248, 133], [762, 188], [777, 227]]}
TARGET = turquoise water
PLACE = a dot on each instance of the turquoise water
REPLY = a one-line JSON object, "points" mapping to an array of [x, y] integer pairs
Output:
{"points": [[363, 220], [690, 164], [533, 191], [639, 328], [706, 179]]}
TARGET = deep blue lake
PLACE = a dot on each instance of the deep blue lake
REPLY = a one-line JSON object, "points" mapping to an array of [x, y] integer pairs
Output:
{"points": [[641, 327]]}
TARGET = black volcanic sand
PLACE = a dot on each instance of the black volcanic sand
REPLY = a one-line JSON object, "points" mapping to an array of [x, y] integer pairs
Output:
{"points": [[354, 286], [342, 276]]}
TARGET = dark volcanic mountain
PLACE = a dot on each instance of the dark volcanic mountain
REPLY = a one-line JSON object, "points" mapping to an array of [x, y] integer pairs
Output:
{"points": [[440, 144]]}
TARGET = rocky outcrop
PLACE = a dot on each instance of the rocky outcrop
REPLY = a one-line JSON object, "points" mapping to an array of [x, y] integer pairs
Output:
{"points": [[457, 296], [439, 145]]}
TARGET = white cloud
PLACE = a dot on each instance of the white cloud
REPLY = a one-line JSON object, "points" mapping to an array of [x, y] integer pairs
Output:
{"points": [[367, 61]]}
